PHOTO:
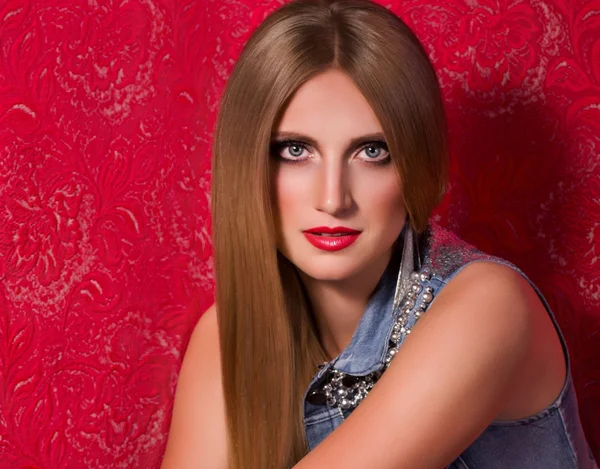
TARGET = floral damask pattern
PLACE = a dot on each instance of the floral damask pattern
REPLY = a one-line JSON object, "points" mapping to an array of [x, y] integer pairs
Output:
{"points": [[495, 44], [40, 232], [106, 117]]}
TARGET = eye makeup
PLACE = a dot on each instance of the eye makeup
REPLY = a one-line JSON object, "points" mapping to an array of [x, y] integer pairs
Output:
{"points": [[359, 144], [278, 145]]}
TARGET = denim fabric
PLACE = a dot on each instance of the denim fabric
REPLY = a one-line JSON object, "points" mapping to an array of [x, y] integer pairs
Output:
{"points": [[551, 439]]}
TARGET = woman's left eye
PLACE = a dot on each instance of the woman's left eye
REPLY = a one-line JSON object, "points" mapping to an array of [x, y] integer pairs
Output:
{"points": [[376, 152]]}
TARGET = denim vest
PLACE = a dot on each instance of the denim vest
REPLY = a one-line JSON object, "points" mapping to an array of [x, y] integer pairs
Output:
{"points": [[550, 439]]}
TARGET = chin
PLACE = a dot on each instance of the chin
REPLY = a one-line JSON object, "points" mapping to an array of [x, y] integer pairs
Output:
{"points": [[326, 268], [327, 275]]}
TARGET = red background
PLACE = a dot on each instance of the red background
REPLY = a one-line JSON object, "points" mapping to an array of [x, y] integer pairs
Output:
{"points": [[106, 116]]}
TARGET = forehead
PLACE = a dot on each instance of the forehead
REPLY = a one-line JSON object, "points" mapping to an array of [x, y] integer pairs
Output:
{"points": [[329, 105]]}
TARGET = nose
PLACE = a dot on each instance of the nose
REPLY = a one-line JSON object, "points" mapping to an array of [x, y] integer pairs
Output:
{"points": [[334, 195]]}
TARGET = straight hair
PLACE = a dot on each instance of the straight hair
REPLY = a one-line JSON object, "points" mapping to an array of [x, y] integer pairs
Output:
{"points": [[270, 348]]}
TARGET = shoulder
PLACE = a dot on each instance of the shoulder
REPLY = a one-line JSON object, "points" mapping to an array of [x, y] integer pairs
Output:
{"points": [[487, 272], [480, 325], [487, 299], [476, 340], [206, 329], [197, 436], [203, 347], [496, 303], [476, 283]]}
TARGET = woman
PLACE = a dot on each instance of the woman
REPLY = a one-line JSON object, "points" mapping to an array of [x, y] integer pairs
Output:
{"points": [[340, 307]]}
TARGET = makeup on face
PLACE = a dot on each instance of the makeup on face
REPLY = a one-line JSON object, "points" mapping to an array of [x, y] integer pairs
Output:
{"points": [[336, 192], [295, 148], [331, 239]]}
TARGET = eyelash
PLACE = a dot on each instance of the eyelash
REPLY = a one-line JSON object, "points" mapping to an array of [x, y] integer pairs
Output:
{"points": [[277, 146]]}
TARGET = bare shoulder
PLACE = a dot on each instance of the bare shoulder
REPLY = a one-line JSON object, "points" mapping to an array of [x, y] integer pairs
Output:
{"points": [[491, 291], [495, 304], [490, 304], [484, 295], [197, 436], [491, 276], [498, 300]]}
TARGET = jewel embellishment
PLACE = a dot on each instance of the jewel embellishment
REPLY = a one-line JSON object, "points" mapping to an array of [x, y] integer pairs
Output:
{"points": [[347, 391]]}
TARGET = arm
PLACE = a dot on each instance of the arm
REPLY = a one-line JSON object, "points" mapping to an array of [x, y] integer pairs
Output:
{"points": [[197, 437], [450, 379]]}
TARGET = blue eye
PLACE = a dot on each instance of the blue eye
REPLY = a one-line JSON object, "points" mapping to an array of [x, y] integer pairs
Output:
{"points": [[289, 151], [376, 153], [372, 151], [295, 150]]}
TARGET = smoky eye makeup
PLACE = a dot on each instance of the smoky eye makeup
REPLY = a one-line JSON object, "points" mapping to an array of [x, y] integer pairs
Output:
{"points": [[378, 159], [299, 151]]}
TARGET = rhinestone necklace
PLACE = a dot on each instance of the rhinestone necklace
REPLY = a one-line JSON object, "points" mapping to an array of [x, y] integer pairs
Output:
{"points": [[345, 391]]}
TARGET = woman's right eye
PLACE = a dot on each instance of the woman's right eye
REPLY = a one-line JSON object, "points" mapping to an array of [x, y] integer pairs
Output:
{"points": [[290, 151]]}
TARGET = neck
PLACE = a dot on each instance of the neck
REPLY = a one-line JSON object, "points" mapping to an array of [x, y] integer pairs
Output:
{"points": [[339, 305]]}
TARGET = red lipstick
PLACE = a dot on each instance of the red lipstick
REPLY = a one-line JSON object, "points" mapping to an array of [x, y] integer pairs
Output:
{"points": [[331, 239]]}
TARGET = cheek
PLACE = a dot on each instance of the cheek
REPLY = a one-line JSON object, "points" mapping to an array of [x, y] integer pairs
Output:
{"points": [[379, 197], [289, 190]]}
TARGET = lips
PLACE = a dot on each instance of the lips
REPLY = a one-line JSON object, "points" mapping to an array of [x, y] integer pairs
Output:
{"points": [[337, 230], [331, 239]]}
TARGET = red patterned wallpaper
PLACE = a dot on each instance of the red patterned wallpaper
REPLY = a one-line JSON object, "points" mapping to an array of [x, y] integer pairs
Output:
{"points": [[106, 115]]}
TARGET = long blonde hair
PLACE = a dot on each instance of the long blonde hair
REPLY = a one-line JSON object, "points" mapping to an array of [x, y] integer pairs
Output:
{"points": [[269, 343]]}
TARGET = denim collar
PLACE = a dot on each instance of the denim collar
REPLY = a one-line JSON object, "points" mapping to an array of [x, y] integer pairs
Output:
{"points": [[366, 351]]}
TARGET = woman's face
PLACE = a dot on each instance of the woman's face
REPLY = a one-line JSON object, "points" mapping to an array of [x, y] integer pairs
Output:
{"points": [[332, 172]]}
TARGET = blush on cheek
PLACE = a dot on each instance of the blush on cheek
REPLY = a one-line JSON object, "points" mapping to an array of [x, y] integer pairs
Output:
{"points": [[384, 205], [292, 186], [289, 195], [377, 188]]}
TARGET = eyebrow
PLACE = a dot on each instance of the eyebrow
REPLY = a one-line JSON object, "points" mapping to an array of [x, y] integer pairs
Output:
{"points": [[354, 142]]}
